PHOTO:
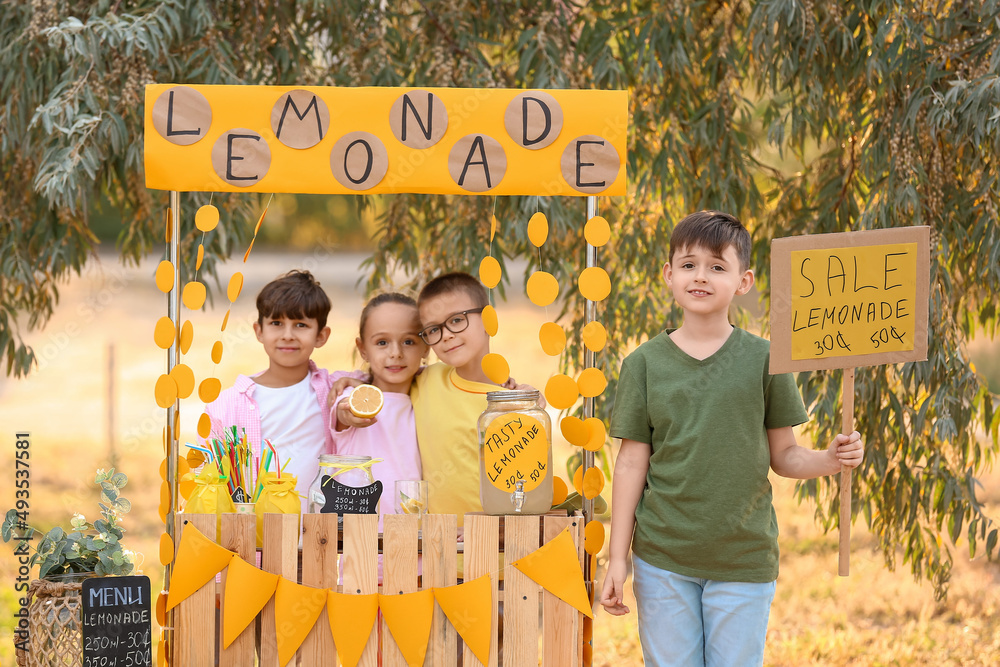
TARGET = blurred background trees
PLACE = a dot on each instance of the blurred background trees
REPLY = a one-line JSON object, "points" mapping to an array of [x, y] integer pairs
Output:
{"points": [[799, 117]]}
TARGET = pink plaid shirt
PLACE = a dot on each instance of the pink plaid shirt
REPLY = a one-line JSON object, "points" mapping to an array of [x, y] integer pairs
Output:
{"points": [[236, 406]]}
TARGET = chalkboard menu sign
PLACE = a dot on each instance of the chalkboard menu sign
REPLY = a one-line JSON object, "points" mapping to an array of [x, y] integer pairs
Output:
{"points": [[116, 622], [344, 499]]}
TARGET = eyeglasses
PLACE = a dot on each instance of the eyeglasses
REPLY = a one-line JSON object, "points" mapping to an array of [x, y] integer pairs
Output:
{"points": [[456, 323]]}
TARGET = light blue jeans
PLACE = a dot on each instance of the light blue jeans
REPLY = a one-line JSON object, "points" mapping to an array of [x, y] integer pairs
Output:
{"points": [[690, 622]]}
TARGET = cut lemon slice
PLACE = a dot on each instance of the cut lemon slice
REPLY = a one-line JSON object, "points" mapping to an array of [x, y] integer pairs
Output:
{"points": [[410, 505], [365, 401]]}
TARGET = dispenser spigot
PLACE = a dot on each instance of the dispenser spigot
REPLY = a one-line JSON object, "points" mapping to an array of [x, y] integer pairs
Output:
{"points": [[517, 498]]}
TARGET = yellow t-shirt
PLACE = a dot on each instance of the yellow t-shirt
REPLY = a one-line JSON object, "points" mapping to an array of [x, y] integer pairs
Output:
{"points": [[447, 408]]}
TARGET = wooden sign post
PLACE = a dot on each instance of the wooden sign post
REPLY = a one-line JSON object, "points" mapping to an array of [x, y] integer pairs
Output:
{"points": [[847, 300]]}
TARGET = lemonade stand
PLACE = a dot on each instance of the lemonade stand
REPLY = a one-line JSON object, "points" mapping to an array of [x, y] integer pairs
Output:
{"points": [[430, 610]]}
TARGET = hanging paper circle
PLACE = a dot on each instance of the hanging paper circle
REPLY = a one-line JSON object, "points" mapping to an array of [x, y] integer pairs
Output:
{"points": [[185, 485], [494, 224], [209, 389], [194, 457], [542, 288], [552, 337], [164, 333], [235, 287], [593, 482], [225, 320], [538, 229], [490, 321], [183, 468], [163, 470], [193, 295], [496, 368], [559, 491], [597, 433], [574, 430], [166, 549], [597, 231], [594, 336], [216, 354], [489, 271], [164, 506], [165, 276], [578, 480], [165, 391], [161, 608], [206, 218], [187, 336], [201, 256], [204, 429], [595, 284], [184, 377], [591, 382], [249, 248], [593, 537], [561, 391]]}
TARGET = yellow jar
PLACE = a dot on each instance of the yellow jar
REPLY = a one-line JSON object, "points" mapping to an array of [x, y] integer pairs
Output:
{"points": [[515, 454]]}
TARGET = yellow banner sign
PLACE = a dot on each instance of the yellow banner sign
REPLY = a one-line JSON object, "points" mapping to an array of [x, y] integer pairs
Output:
{"points": [[846, 300], [327, 140]]}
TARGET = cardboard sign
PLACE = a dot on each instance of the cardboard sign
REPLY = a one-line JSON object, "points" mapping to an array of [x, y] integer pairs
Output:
{"points": [[344, 499], [330, 140], [849, 299], [116, 622], [515, 447]]}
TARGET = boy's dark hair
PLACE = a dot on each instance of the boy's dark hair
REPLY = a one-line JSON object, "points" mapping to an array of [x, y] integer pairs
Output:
{"points": [[455, 282], [378, 300], [714, 231], [296, 295]]}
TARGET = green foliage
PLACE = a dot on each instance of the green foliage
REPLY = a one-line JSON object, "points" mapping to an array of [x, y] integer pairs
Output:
{"points": [[96, 549], [799, 117]]}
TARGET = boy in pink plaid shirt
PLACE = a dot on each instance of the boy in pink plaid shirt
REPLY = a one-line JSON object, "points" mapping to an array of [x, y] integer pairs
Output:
{"points": [[286, 403]]}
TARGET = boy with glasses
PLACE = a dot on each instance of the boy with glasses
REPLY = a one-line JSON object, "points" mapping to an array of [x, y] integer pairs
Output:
{"points": [[449, 396]]}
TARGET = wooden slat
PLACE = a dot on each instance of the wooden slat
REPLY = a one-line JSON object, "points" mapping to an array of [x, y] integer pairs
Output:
{"points": [[399, 572], [482, 544], [439, 563], [239, 534], [560, 621], [586, 625], [361, 568], [194, 618], [319, 570], [279, 556], [520, 600]]}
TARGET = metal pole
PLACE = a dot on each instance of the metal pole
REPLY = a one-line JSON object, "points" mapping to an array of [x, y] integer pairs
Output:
{"points": [[173, 358], [589, 313]]}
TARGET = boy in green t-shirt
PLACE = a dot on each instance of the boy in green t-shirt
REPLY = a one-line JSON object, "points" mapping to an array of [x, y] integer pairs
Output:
{"points": [[701, 420]]}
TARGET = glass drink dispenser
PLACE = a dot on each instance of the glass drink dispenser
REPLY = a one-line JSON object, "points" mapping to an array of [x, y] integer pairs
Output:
{"points": [[515, 454]]}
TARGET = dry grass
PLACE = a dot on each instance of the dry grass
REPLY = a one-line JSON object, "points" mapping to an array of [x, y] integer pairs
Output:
{"points": [[874, 617]]}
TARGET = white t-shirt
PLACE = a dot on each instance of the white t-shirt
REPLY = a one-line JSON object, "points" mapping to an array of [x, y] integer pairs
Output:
{"points": [[291, 419]]}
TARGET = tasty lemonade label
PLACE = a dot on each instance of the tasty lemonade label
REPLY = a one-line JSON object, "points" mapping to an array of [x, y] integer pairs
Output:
{"points": [[515, 447]]}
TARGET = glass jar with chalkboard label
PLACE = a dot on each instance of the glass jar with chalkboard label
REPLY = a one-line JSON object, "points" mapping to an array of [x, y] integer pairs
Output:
{"points": [[345, 485], [515, 454]]}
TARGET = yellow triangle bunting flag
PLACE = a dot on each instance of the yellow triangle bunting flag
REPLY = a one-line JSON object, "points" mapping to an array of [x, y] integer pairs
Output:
{"points": [[408, 617], [469, 607], [247, 591], [198, 560], [556, 568], [352, 618], [296, 608]]}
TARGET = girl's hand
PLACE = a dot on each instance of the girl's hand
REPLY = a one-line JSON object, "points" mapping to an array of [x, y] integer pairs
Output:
{"points": [[613, 595], [347, 419], [847, 450]]}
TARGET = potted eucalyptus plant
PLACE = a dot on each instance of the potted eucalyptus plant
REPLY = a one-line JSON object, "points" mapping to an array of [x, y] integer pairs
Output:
{"points": [[64, 558]]}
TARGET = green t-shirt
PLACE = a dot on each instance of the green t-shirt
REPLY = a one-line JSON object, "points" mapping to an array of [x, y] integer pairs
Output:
{"points": [[706, 510]]}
